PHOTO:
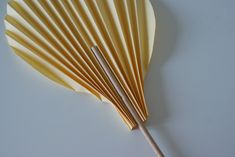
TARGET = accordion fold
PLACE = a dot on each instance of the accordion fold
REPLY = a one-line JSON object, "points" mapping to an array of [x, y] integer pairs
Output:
{"points": [[55, 37]]}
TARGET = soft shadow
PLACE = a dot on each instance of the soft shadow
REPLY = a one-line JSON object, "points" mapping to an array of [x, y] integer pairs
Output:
{"points": [[165, 42]]}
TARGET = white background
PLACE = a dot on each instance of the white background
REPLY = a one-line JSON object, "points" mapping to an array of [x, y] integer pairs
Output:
{"points": [[190, 90]]}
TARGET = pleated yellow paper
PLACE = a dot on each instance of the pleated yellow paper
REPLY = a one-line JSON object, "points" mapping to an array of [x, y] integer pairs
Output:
{"points": [[55, 37]]}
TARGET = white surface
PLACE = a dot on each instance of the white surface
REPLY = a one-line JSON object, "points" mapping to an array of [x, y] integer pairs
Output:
{"points": [[190, 91]]}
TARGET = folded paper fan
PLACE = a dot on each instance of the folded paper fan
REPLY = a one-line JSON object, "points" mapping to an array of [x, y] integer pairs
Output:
{"points": [[57, 38]]}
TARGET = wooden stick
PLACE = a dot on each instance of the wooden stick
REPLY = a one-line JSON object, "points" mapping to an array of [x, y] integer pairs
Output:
{"points": [[126, 100]]}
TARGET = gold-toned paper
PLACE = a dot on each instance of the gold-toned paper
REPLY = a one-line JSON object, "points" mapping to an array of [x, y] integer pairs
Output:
{"points": [[55, 37]]}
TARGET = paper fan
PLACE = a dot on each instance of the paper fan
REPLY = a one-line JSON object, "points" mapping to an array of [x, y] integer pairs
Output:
{"points": [[57, 38]]}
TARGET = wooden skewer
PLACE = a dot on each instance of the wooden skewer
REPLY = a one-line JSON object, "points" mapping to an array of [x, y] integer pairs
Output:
{"points": [[125, 100]]}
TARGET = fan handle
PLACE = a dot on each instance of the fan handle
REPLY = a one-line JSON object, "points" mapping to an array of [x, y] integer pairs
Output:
{"points": [[125, 100]]}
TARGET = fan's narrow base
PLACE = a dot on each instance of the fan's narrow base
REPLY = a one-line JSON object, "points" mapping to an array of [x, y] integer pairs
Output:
{"points": [[126, 101]]}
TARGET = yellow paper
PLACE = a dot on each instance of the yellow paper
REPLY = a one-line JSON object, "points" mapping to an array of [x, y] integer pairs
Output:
{"points": [[55, 38]]}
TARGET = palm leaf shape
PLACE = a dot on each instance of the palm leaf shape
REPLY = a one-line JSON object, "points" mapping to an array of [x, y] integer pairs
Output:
{"points": [[55, 37]]}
